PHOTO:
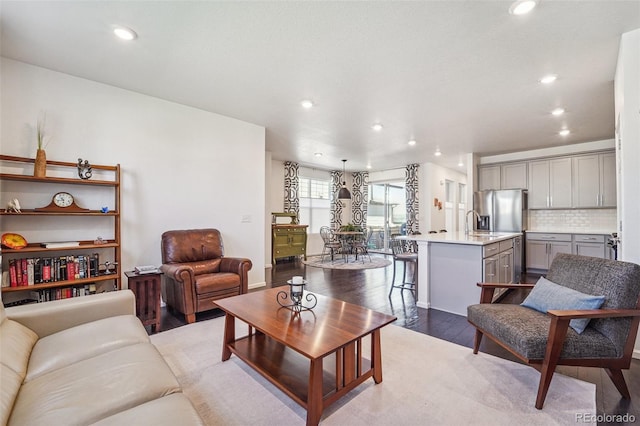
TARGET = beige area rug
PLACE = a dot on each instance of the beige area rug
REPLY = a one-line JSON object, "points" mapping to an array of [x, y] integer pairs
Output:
{"points": [[338, 263], [425, 381]]}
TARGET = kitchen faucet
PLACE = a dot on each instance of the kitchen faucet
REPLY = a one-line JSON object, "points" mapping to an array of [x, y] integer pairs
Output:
{"points": [[466, 220]]}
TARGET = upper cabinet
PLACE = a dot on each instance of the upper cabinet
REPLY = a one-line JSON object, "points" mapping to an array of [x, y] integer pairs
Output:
{"points": [[503, 176], [577, 181], [488, 178], [514, 176], [550, 184], [594, 180]]}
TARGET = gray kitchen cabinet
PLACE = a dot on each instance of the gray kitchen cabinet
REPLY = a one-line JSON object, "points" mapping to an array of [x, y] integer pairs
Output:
{"points": [[498, 264], [503, 176], [550, 183], [514, 176], [590, 245], [594, 180], [505, 262], [543, 247], [488, 177], [490, 270]]}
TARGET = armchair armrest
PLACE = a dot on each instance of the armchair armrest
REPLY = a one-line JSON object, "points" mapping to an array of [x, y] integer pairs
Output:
{"points": [[486, 294], [594, 313], [240, 266], [179, 272], [51, 317]]}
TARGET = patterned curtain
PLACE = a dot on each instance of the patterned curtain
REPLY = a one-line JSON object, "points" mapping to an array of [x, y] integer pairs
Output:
{"points": [[336, 205], [291, 188], [411, 188], [359, 198]]}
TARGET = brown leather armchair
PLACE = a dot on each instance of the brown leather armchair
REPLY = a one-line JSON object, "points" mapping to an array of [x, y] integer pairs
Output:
{"points": [[196, 273]]}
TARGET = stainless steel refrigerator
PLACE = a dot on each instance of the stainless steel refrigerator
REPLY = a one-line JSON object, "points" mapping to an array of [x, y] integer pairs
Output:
{"points": [[504, 211], [501, 210]]}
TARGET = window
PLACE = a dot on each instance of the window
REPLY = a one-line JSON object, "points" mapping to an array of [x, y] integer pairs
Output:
{"points": [[315, 203]]}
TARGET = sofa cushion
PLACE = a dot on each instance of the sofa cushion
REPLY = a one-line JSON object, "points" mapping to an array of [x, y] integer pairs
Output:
{"points": [[84, 341], [95, 388], [174, 409], [526, 331], [547, 295], [16, 344], [210, 283]]}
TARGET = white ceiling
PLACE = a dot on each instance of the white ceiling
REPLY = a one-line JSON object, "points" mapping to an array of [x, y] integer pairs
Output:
{"points": [[461, 76]]}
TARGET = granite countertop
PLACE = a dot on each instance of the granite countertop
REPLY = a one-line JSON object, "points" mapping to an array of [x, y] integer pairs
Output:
{"points": [[473, 238]]}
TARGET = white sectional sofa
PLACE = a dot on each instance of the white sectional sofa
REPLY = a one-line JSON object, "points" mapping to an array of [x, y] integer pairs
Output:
{"points": [[86, 360]]}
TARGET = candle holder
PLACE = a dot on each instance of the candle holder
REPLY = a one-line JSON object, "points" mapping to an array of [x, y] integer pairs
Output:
{"points": [[296, 297]]}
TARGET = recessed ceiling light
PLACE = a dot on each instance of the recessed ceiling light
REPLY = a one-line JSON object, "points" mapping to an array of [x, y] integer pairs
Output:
{"points": [[318, 154], [522, 7], [460, 164], [412, 142], [377, 127], [548, 79], [558, 111], [306, 104], [125, 33], [437, 153], [564, 132], [368, 166]]}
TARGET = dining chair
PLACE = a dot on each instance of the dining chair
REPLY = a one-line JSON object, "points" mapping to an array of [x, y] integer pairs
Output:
{"points": [[331, 244], [360, 243]]}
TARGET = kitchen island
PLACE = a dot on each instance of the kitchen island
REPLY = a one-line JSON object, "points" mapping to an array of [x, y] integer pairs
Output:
{"points": [[451, 264]]}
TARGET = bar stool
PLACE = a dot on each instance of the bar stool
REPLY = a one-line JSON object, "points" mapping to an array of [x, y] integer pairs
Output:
{"points": [[401, 253]]}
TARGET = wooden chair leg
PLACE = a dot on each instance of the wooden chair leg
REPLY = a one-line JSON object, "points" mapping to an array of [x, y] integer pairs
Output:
{"points": [[617, 378], [477, 340], [557, 334]]}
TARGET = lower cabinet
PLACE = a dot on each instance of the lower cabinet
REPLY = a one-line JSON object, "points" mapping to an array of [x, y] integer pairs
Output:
{"points": [[498, 264], [590, 245], [288, 240], [543, 247]]}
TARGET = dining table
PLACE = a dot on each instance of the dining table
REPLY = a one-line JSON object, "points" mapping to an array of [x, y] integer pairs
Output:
{"points": [[346, 238]]}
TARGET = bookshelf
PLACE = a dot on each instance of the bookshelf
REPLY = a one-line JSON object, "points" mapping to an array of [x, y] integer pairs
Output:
{"points": [[105, 188]]}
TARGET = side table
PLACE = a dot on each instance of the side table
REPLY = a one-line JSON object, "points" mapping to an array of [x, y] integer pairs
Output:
{"points": [[147, 289]]}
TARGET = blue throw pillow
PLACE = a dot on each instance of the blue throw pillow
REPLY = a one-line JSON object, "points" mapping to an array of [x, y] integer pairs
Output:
{"points": [[547, 295]]}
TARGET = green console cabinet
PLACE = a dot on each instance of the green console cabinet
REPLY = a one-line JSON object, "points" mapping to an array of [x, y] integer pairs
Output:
{"points": [[288, 239]]}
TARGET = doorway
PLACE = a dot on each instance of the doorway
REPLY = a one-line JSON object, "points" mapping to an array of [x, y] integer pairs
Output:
{"points": [[386, 214]]}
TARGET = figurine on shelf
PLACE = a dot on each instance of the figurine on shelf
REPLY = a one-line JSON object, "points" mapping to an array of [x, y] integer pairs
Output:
{"points": [[84, 169], [110, 267], [13, 206], [99, 240]]}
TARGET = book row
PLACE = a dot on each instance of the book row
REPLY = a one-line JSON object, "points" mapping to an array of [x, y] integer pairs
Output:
{"points": [[49, 294], [38, 270]]}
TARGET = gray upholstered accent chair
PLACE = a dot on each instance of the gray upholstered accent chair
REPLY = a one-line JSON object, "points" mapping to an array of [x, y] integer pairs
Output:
{"points": [[546, 340]]}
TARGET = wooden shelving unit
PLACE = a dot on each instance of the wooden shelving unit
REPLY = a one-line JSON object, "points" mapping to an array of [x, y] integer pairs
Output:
{"points": [[35, 248]]}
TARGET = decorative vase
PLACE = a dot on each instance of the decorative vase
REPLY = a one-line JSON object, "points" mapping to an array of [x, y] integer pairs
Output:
{"points": [[40, 166]]}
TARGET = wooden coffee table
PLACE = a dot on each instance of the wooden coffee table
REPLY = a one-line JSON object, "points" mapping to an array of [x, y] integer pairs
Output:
{"points": [[290, 349]]}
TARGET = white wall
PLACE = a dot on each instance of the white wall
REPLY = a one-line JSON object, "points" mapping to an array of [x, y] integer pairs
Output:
{"points": [[627, 105], [181, 167], [432, 185]]}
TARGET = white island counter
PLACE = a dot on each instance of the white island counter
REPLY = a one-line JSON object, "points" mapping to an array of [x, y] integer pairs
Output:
{"points": [[451, 264]]}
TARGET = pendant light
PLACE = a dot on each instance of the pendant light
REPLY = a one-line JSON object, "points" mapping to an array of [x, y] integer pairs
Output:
{"points": [[344, 193]]}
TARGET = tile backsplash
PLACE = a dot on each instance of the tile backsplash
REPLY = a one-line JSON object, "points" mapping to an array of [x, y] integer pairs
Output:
{"points": [[591, 220]]}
